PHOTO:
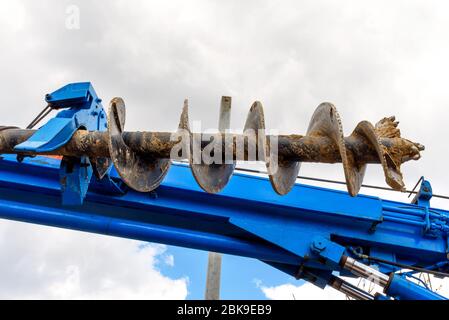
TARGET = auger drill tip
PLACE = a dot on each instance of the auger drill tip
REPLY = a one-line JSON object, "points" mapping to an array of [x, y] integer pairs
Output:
{"points": [[420, 146]]}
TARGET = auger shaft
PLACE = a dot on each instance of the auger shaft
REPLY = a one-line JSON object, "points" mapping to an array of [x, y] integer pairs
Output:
{"points": [[142, 159], [159, 145], [86, 137]]}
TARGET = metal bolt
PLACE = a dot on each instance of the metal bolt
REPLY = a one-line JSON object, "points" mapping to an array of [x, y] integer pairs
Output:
{"points": [[319, 245]]}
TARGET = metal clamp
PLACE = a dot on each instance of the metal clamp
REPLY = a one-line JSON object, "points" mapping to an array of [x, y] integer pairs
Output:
{"points": [[82, 109]]}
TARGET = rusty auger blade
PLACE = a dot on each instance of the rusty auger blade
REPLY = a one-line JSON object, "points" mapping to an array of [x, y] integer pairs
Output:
{"points": [[211, 177], [326, 132], [142, 159], [326, 122], [139, 172]]}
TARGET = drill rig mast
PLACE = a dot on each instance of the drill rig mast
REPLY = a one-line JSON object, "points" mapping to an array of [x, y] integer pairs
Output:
{"points": [[119, 183]]}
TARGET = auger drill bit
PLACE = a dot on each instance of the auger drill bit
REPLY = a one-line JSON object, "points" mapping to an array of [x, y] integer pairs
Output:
{"points": [[142, 159]]}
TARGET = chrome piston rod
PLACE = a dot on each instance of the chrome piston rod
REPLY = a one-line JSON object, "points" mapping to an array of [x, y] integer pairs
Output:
{"points": [[364, 271], [349, 289]]}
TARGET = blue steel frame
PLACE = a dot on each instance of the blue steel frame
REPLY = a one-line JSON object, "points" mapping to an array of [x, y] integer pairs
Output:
{"points": [[304, 233]]}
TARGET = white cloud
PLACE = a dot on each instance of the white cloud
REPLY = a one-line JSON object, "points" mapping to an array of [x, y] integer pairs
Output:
{"points": [[12, 16], [169, 260], [439, 285], [50, 263], [306, 291]]}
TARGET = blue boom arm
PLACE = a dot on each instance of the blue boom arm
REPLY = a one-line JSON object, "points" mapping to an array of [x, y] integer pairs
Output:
{"points": [[305, 233]]}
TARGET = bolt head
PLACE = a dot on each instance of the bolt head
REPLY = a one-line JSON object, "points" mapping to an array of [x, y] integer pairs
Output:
{"points": [[319, 245]]}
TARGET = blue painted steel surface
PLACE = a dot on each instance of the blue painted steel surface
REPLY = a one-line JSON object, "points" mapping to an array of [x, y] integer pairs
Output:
{"points": [[401, 288], [74, 175], [303, 233], [82, 109]]}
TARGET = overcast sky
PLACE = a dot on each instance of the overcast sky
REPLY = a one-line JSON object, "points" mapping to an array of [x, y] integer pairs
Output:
{"points": [[370, 58]]}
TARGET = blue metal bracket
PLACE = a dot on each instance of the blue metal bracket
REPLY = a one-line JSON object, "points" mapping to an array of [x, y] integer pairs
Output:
{"points": [[328, 250], [433, 224], [424, 194], [82, 110], [74, 176], [110, 184]]}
